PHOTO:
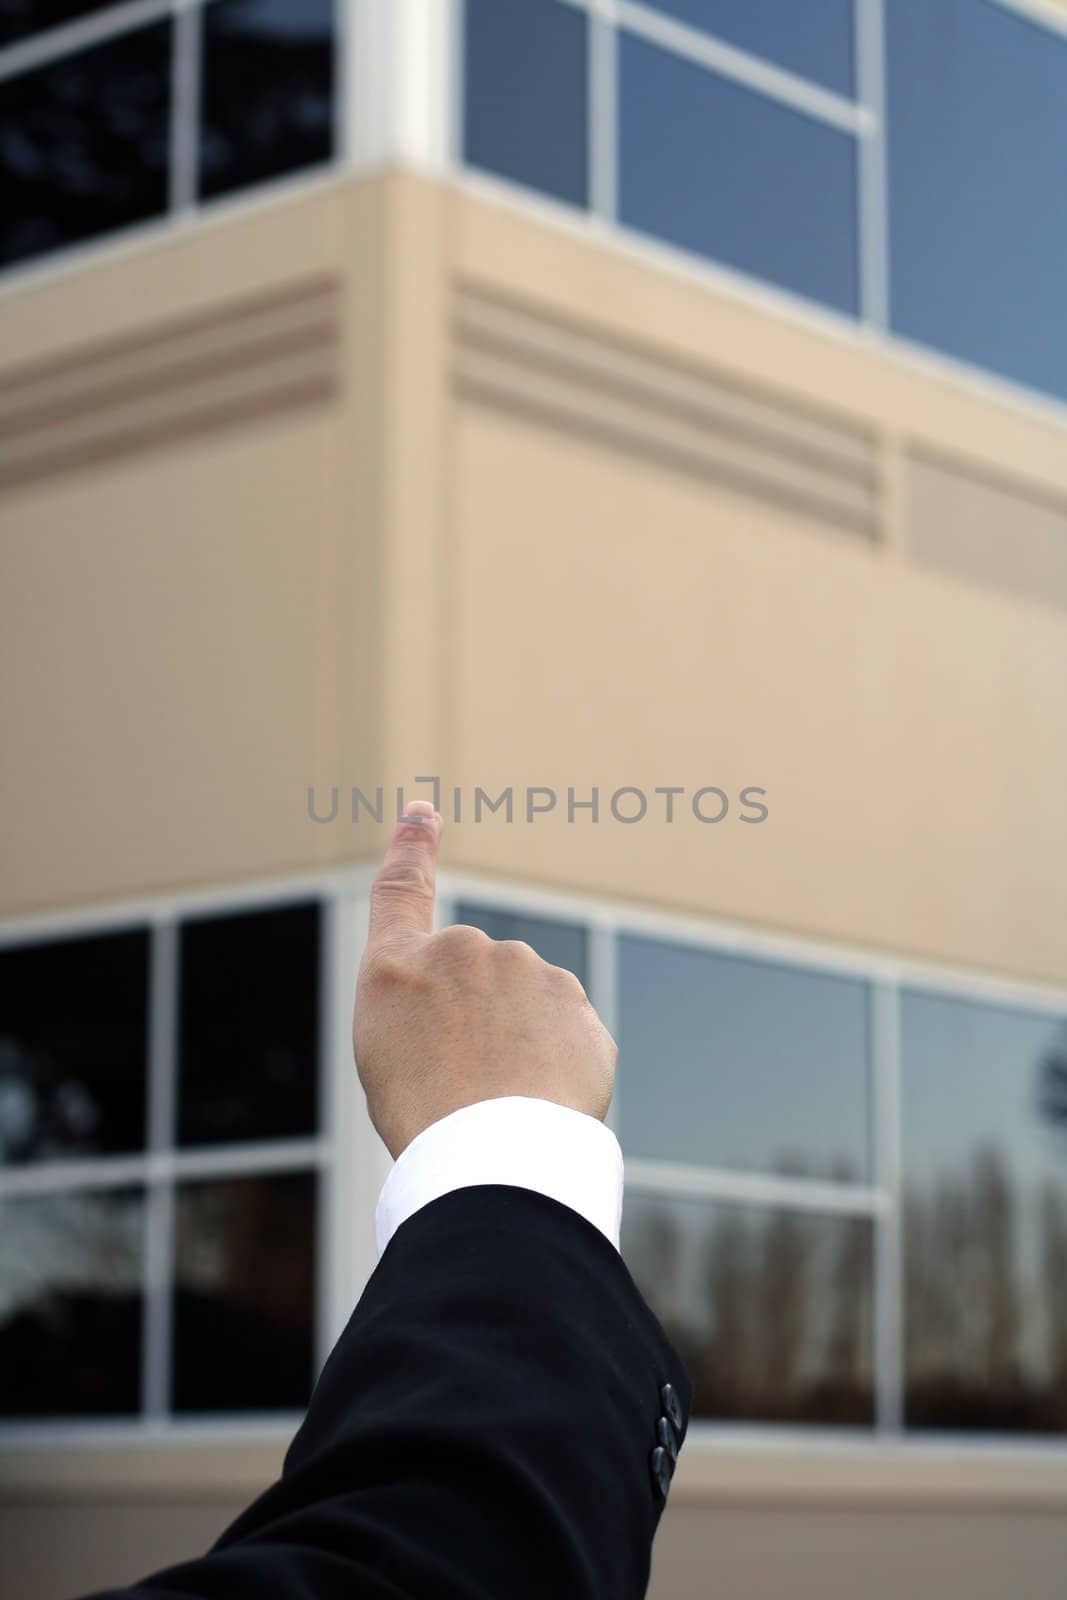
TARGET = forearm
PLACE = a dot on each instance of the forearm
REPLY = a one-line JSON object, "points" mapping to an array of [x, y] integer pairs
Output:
{"points": [[482, 1429]]}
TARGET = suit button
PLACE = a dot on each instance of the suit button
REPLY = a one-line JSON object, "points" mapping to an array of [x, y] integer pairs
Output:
{"points": [[667, 1437], [672, 1406], [662, 1470]]}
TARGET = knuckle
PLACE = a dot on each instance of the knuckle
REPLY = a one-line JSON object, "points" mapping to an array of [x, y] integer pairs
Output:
{"points": [[517, 950], [569, 984], [461, 940]]}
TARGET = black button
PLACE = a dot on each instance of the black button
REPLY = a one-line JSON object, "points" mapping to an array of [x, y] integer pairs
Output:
{"points": [[672, 1406], [662, 1470], [667, 1437]]}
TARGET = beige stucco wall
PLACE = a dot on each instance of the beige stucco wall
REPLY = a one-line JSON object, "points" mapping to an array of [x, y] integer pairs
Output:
{"points": [[571, 543]]}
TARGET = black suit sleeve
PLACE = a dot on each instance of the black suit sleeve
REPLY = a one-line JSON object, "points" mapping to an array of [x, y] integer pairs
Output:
{"points": [[484, 1429]]}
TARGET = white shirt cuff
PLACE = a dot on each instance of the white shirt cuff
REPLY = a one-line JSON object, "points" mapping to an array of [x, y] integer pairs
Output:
{"points": [[515, 1140]]}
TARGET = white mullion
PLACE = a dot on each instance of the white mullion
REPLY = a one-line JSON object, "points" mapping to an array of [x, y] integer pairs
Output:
{"points": [[73, 37], [420, 62], [759, 1189], [603, 125], [259, 1159], [457, 81], [78, 1175], [755, 73], [158, 1278], [370, 1160], [157, 1332], [888, 1289], [366, 86], [185, 105], [334, 1287], [603, 992], [873, 197]]}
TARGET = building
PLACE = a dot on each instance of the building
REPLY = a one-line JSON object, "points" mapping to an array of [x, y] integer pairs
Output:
{"points": [[660, 399]]}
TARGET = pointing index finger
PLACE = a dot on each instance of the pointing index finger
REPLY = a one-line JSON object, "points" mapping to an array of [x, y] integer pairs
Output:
{"points": [[402, 898]]}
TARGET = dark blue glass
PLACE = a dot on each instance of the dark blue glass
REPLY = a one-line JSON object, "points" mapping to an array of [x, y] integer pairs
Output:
{"points": [[526, 93], [266, 97], [74, 1047], [978, 186], [244, 1293], [771, 1311], [729, 1062], [984, 1157], [83, 143], [248, 1035], [717, 169], [814, 38]]}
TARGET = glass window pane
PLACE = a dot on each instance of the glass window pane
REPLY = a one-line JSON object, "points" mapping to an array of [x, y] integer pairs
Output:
{"points": [[721, 170], [249, 1026], [267, 90], [730, 1062], [525, 86], [244, 1291], [83, 144], [814, 38], [70, 1304], [769, 1310], [73, 1047], [978, 180], [984, 1148], [562, 944], [20, 18]]}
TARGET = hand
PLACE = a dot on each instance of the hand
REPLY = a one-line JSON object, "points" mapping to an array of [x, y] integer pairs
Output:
{"points": [[446, 1019]]}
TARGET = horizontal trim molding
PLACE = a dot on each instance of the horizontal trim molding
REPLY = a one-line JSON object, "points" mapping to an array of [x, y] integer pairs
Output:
{"points": [[630, 395], [171, 381]]}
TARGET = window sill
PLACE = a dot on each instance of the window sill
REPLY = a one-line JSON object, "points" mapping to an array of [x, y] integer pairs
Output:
{"points": [[234, 1460], [720, 1466], [221, 1460]]}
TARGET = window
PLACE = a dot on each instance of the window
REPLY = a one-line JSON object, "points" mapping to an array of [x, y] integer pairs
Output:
{"points": [[815, 39], [978, 172], [83, 143], [73, 1033], [771, 1310], [984, 1102], [846, 1197], [248, 1026], [726, 172], [244, 1275], [267, 90], [744, 1064], [160, 1167], [525, 111], [71, 1303], [88, 142], [846, 1190]]}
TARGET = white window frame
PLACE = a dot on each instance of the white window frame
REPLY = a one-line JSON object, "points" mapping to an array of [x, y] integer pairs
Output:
{"points": [[880, 1200], [352, 1162], [347, 1158]]}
